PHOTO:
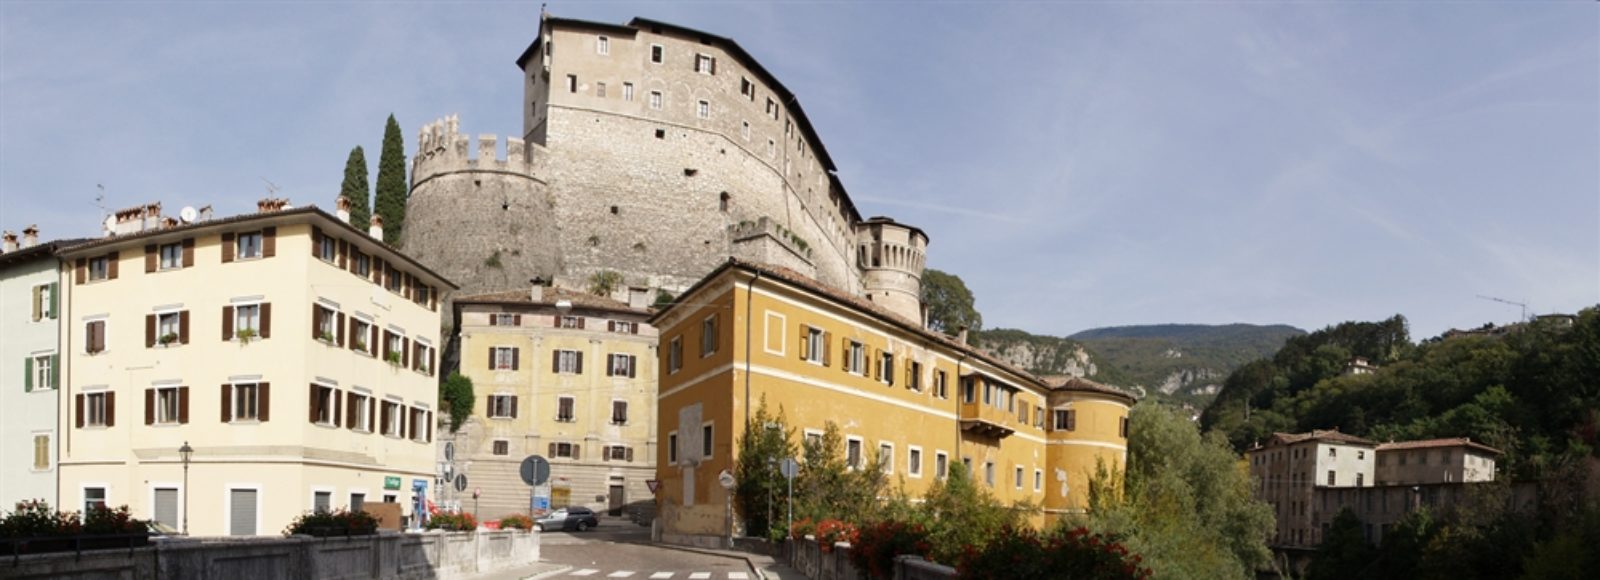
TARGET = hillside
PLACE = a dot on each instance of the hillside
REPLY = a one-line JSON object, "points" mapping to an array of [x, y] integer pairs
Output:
{"points": [[1185, 362], [1044, 355]]}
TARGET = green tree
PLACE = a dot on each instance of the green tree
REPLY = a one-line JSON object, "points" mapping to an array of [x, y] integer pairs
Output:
{"points": [[392, 187], [828, 488], [356, 189], [1344, 552], [760, 492], [455, 394], [961, 513], [950, 304]]}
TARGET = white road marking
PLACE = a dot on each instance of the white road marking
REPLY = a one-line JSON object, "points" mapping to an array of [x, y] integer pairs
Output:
{"points": [[586, 572], [620, 574], [660, 576], [738, 576], [700, 576]]}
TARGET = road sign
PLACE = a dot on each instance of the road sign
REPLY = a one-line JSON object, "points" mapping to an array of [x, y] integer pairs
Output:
{"points": [[789, 468], [461, 482], [477, 492], [653, 484], [535, 470], [391, 482], [449, 451], [726, 479]]}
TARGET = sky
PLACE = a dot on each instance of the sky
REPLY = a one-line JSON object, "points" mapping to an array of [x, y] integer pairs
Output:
{"points": [[1078, 164]]}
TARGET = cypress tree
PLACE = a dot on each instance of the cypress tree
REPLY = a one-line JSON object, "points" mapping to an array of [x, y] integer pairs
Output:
{"points": [[356, 189], [392, 186]]}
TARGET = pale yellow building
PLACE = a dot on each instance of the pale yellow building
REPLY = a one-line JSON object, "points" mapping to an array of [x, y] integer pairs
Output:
{"points": [[566, 375], [293, 352], [919, 399]]}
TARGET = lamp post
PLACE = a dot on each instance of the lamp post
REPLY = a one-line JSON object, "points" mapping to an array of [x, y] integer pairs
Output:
{"points": [[185, 452]]}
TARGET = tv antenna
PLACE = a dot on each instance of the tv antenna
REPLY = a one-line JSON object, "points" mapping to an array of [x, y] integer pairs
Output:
{"points": [[272, 188], [1504, 301], [100, 198]]}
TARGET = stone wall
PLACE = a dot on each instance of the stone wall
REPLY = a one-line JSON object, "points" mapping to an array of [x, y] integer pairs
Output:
{"points": [[386, 556], [807, 556]]}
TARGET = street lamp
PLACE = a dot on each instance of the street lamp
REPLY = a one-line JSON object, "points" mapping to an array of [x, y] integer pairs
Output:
{"points": [[185, 452]]}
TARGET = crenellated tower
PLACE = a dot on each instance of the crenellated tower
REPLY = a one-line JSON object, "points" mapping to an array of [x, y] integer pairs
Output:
{"points": [[891, 256]]}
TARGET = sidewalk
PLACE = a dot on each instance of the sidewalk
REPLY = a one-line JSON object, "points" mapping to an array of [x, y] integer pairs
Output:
{"points": [[534, 570], [765, 567]]}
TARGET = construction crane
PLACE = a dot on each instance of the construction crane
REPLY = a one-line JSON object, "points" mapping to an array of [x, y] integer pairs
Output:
{"points": [[1504, 301]]}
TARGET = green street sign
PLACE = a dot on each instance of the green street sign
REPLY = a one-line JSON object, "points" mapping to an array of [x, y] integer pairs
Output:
{"points": [[391, 482]]}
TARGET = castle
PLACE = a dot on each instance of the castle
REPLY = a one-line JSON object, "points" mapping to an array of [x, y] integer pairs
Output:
{"points": [[650, 154]]}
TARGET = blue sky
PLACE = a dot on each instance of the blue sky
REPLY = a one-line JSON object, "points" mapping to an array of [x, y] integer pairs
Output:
{"points": [[1078, 164]]}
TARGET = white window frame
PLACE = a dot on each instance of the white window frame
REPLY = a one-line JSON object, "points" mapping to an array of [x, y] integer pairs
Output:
{"points": [[708, 445], [857, 357], [657, 100], [565, 321], [248, 251], [168, 401], [395, 428], [624, 326], [329, 395], [174, 261], [886, 455], [1019, 474], [988, 473], [675, 354], [860, 456], [658, 54], [99, 268], [239, 319], [886, 367], [702, 63], [94, 403], [42, 371], [914, 461], [602, 45], [499, 402], [672, 448], [419, 415], [941, 464], [502, 358], [566, 362], [363, 336], [627, 91], [702, 109], [571, 404], [363, 412], [621, 365], [83, 494], [503, 319], [169, 322], [817, 343]]}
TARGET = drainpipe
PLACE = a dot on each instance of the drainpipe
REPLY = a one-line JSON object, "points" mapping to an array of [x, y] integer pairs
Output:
{"points": [[957, 399], [748, 293]]}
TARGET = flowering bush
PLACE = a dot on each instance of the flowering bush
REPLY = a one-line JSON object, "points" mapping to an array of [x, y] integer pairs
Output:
{"points": [[335, 523], [103, 520], [802, 528], [453, 522], [1075, 553], [831, 531], [876, 545], [516, 522]]}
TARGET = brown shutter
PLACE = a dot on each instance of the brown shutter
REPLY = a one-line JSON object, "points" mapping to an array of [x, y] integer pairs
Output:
{"points": [[99, 336], [339, 330], [80, 411], [81, 272], [188, 252], [350, 410], [111, 409], [611, 326], [580, 363], [430, 421], [630, 454], [516, 319], [405, 352], [227, 247], [552, 450], [338, 408], [316, 241], [149, 330], [111, 268], [269, 242], [385, 350], [264, 401], [516, 359], [150, 257], [385, 415], [491, 358], [183, 327], [581, 320], [555, 361], [412, 433], [805, 342], [575, 453], [633, 366], [353, 338], [555, 321], [227, 402], [611, 363], [400, 416], [227, 323], [605, 453], [827, 351], [183, 405], [149, 406], [513, 406], [372, 336], [635, 328], [316, 317], [494, 319], [266, 320], [315, 404]]}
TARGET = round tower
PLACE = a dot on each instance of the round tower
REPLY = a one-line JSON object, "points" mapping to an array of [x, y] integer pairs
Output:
{"points": [[891, 256], [485, 223]]}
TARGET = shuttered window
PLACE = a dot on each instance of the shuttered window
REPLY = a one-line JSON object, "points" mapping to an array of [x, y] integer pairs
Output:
{"points": [[242, 512], [166, 508]]}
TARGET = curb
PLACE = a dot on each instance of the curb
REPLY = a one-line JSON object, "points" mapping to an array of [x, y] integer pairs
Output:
{"points": [[555, 572], [702, 551]]}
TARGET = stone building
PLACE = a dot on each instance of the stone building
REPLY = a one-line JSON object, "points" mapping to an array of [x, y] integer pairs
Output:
{"points": [[1291, 467], [1435, 461]]}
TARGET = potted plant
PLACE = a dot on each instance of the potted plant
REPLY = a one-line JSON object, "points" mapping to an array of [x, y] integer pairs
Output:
{"points": [[245, 335], [393, 358], [326, 337], [168, 338]]}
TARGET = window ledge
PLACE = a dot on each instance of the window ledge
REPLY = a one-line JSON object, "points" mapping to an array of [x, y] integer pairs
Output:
{"points": [[245, 422]]}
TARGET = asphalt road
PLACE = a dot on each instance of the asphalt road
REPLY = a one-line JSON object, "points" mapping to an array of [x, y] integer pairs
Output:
{"points": [[622, 549]]}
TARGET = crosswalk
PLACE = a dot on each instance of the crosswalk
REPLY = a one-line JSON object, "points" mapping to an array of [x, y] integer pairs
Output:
{"points": [[596, 573]]}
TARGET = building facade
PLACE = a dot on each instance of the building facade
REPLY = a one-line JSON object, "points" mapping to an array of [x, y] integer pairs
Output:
{"points": [[569, 376], [294, 353], [919, 400], [1435, 461], [1292, 467], [30, 368]]}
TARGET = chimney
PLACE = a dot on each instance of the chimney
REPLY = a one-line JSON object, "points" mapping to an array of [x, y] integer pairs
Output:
{"points": [[536, 293], [30, 236], [961, 334], [376, 229], [10, 241], [271, 204], [342, 208], [205, 213], [639, 298]]}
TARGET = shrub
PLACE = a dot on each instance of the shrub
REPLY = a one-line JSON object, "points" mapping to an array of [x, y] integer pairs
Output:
{"points": [[802, 528], [516, 522], [831, 531], [35, 519], [335, 523], [876, 546], [1074, 553], [453, 522], [103, 520]]}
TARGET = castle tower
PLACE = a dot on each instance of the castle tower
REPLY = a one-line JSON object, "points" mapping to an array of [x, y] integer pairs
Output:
{"points": [[892, 256]]}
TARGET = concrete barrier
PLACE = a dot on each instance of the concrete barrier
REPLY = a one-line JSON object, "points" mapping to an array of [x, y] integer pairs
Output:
{"points": [[435, 555], [806, 556]]}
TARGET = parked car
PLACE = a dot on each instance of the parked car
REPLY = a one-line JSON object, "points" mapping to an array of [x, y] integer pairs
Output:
{"points": [[568, 518]]}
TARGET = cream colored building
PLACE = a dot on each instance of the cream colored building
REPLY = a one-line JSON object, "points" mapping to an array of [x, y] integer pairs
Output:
{"points": [[1292, 467], [566, 375], [1435, 461], [293, 352]]}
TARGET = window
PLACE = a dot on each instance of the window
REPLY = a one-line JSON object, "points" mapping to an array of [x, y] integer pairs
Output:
{"points": [[941, 464], [167, 328], [504, 358], [564, 450], [816, 345], [772, 108], [655, 100], [361, 413], [420, 431], [172, 256], [622, 327], [1038, 479], [772, 148], [320, 501], [969, 390], [569, 322], [247, 318], [658, 53], [1361, 454], [627, 91], [988, 473], [361, 336], [502, 407], [393, 420], [1333, 452], [327, 248], [96, 412], [619, 412], [568, 362], [44, 302], [167, 408], [41, 451], [941, 385], [886, 456], [363, 265], [857, 363], [704, 64], [708, 337], [572, 83], [99, 268], [502, 447], [503, 320], [564, 409], [602, 45], [672, 447], [1066, 420], [391, 278], [327, 325], [93, 498], [886, 367], [1361, 479], [914, 377], [914, 462], [747, 88], [1331, 478], [1018, 478], [1122, 427], [620, 365], [358, 501], [675, 354], [247, 245], [702, 109], [600, 90], [323, 400], [852, 452], [42, 372], [706, 441], [744, 130]]}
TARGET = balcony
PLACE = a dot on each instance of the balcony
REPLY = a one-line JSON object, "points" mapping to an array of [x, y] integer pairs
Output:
{"points": [[985, 420]]}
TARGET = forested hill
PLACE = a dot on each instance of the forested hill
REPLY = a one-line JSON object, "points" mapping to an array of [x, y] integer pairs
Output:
{"points": [[1531, 390], [1186, 362]]}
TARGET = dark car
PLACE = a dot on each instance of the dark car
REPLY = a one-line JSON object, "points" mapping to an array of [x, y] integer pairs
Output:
{"points": [[568, 518]]}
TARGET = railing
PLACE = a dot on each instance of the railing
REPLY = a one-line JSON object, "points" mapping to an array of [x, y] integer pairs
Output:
{"points": [[74, 543]]}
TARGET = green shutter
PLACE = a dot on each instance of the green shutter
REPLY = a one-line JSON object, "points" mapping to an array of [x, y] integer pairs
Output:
{"points": [[55, 371], [27, 371], [54, 299]]}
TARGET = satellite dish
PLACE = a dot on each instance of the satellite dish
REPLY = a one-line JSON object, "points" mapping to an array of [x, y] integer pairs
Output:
{"points": [[111, 224], [188, 214]]}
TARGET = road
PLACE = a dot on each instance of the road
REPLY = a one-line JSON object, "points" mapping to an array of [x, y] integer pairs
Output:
{"points": [[622, 549]]}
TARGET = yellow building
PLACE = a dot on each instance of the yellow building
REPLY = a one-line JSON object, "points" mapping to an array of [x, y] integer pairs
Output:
{"points": [[566, 375], [292, 352], [917, 398]]}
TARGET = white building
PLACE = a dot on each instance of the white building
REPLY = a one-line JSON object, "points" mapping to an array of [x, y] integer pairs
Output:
{"points": [[1291, 466], [30, 368]]}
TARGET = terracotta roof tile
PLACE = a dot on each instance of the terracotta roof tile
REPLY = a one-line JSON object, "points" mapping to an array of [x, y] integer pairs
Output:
{"points": [[1331, 435], [551, 296], [1435, 443]]}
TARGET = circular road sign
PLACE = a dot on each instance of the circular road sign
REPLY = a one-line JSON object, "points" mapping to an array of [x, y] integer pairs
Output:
{"points": [[726, 479], [461, 482], [789, 468], [449, 451], [535, 470]]}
